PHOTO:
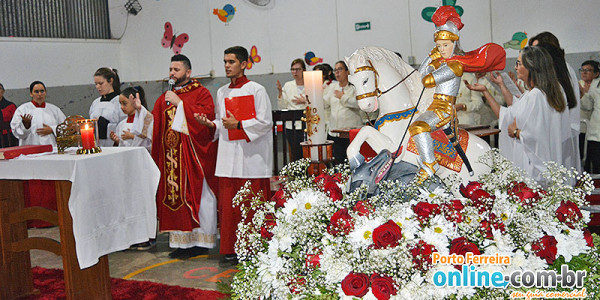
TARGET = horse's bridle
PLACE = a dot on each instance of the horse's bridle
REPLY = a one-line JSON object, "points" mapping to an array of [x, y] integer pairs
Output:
{"points": [[376, 92]]}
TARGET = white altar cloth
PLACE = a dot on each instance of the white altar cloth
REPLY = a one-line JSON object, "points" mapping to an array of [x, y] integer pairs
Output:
{"points": [[112, 195]]}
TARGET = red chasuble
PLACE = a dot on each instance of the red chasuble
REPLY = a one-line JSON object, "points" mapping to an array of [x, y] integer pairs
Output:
{"points": [[184, 160]]}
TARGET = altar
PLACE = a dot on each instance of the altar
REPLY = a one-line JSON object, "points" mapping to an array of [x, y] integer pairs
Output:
{"points": [[106, 202]]}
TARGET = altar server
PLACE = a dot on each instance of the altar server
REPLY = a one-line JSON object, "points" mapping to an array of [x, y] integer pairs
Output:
{"points": [[106, 108], [249, 158], [34, 123], [136, 130]]}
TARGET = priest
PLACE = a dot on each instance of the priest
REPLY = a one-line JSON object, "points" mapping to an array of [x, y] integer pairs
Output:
{"points": [[186, 156]]}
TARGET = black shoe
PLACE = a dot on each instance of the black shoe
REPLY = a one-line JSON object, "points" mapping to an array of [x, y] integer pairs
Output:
{"points": [[145, 245], [228, 260], [181, 253]]}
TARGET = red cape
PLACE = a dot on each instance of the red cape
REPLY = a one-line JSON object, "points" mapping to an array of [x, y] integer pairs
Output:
{"points": [[184, 160], [487, 58]]}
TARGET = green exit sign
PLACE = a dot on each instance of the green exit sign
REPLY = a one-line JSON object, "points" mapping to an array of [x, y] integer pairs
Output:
{"points": [[362, 26]]}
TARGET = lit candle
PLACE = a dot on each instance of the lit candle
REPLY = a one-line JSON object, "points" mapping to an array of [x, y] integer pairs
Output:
{"points": [[313, 88], [87, 137]]}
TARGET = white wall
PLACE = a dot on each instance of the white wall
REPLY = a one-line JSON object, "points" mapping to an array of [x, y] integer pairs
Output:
{"points": [[282, 32]]}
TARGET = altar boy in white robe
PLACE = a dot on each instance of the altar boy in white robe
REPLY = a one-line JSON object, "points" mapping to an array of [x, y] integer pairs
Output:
{"points": [[242, 158], [34, 123], [136, 130]]}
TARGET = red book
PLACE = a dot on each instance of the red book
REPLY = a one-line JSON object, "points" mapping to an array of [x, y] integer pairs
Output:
{"points": [[242, 108], [12, 152]]}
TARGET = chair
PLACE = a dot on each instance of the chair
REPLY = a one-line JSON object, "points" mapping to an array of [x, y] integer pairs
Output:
{"points": [[280, 146]]}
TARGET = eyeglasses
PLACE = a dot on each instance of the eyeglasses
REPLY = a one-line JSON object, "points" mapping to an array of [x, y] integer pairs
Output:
{"points": [[296, 69], [337, 70], [586, 70]]}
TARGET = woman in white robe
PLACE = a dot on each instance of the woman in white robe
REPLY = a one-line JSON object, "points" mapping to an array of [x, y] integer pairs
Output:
{"points": [[538, 124], [34, 123], [106, 108]]}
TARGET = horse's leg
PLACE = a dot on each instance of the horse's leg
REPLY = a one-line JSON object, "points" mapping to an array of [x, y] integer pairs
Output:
{"points": [[371, 136]]}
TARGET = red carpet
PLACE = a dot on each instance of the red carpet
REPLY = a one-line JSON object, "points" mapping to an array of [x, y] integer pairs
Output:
{"points": [[52, 286]]}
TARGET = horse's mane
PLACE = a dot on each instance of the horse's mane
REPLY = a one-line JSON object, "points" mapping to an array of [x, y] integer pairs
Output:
{"points": [[413, 82]]}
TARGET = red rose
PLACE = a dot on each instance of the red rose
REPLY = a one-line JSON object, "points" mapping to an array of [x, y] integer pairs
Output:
{"points": [[323, 179], [382, 286], [461, 246], [568, 213], [296, 284], [452, 211], [341, 221], [387, 235], [545, 248], [279, 198], [334, 191], [363, 208], [589, 239], [355, 284], [424, 210], [421, 253], [313, 260], [266, 228], [492, 222], [525, 194], [482, 200], [472, 186]]}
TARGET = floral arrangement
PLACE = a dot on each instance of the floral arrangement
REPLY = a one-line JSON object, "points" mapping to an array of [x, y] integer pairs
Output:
{"points": [[313, 241]]}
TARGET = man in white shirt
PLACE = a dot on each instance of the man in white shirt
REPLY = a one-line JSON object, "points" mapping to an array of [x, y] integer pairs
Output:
{"points": [[249, 158]]}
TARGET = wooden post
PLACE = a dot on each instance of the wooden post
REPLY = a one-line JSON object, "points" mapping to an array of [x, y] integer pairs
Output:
{"points": [[15, 267]]}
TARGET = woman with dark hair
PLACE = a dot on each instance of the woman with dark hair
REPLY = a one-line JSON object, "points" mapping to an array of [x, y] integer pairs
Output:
{"points": [[558, 53], [590, 110], [34, 122], [569, 87], [344, 110], [537, 127], [106, 108]]}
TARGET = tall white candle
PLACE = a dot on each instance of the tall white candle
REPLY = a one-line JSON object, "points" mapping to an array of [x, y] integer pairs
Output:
{"points": [[313, 88]]}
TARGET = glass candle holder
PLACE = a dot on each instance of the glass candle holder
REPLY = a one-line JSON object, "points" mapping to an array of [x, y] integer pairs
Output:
{"points": [[88, 132]]}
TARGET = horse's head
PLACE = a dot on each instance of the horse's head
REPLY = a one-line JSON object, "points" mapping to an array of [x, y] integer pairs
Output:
{"points": [[364, 78]]}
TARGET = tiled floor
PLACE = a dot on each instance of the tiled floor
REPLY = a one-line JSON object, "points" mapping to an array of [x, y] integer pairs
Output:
{"points": [[153, 265]]}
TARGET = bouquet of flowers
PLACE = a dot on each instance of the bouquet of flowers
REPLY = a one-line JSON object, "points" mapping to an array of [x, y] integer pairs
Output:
{"points": [[313, 241]]}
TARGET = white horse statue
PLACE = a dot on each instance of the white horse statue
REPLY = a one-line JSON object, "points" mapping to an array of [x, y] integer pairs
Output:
{"points": [[383, 80]]}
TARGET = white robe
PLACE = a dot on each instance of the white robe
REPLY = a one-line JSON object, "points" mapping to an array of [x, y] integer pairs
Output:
{"points": [[545, 134], [51, 115], [141, 128], [110, 110], [239, 158], [344, 112], [289, 92]]}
